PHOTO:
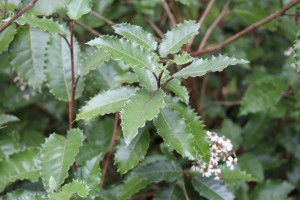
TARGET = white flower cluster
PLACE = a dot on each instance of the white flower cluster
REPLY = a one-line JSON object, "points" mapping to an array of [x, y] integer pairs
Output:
{"points": [[221, 150], [22, 86]]}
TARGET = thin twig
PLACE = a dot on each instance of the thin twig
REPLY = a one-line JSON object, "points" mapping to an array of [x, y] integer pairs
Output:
{"points": [[109, 22], [213, 25], [168, 12], [167, 81], [246, 30], [110, 149], [16, 16], [89, 29], [5, 7], [154, 26], [201, 20]]}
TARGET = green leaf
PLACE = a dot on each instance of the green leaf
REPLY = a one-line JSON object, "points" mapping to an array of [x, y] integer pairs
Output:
{"points": [[104, 195], [27, 54], [211, 189], [185, 2], [24, 195], [272, 190], [59, 71], [107, 102], [200, 67], [131, 53], [9, 143], [252, 165], [52, 183], [175, 86], [77, 8], [136, 34], [6, 37], [157, 171], [44, 24], [91, 173], [181, 59], [296, 55], [146, 78], [173, 192], [197, 129], [175, 132], [19, 166], [68, 190], [235, 176], [263, 95], [42, 7], [127, 157], [128, 77], [93, 61], [132, 185], [175, 38], [142, 107], [5, 118], [58, 154]]}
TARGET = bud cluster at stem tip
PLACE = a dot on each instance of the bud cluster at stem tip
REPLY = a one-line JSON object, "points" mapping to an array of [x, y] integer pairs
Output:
{"points": [[221, 150]]}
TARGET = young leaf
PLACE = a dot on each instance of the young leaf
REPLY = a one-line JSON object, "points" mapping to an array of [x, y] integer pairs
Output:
{"points": [[235, 176], [142, 107], [146, 78], [6, 37], [127, 157], [68, 190], [200, 67], [20, 166], [77, 8], [4, 119], [211, 189], [93, 61], [132, 185], [27, 54], [161, 170], [107, 102], [58, 68], [263, 95], [181, 59], [179, 35], [136, 34], [58, 154], [42, 7], [131, 53], [175, 86], [44, 24], [173, 192], [175, 132]]}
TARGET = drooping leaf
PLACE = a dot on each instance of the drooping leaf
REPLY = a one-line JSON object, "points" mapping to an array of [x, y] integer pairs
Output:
{"points": [[20, 166], [5, 118], [91, 173], [175, 86], [58, 154], [136, 34], [235, 176], [127, 157], [175, 132], [7, 36], [142, 107], [211, 189], [27, 54], [132, 185], [107, 102], [181, 59], [296, 55], [59, 71], [131, 53], [77, 8], [44, 24], [160, 170], [75, 187], [96, 59], [146, 78], [263, 95], [200, 67], [175, 38], [42, 7], [173, 192]]}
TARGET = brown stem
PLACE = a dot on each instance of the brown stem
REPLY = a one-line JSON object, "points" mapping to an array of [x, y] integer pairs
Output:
{"points": [[165, 83], [109, 22], [110, 149], [154, 26], [89, 29], [5, 7], [168, 12], [246, 30], [213, 25], [16, 16]]}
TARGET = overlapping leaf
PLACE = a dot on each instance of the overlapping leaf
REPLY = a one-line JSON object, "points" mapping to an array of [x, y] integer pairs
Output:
{"points": [[146, 78], [200, 67], [42, 7], [175, 132], [58, 154], [181, 91], [107, 102], [136, 34], [181, 59], [175, 38], [20, 166], [27, 54], [142, 107], [7, 36], [173, 192], [5, 118], [77, 8], [127, 157], [131, 53], [70, 189]]}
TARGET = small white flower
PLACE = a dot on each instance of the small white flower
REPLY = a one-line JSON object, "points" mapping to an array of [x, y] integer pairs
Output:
{"points": [[16, 79], [207, 172], [26, 97], [214, 159], [293, 65], [288, 51], [231, 162], [22, 87], [195, 168]]}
